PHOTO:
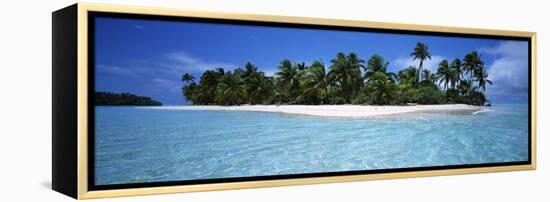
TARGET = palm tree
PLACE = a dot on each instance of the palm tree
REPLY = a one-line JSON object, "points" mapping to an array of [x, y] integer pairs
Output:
{"points": [[409, 76], [190, 88], [456, 65], [257, 85], [481, 77], [421, 53], [208, 85], [316, 81], [231, 89], [345, 71], [465, 87], [471, 63], [289, 77], [250, 76], [220, 70], [379, 87], [249, 69], [301, 66], [376, 64], [187, 78], [429, 78], [189, 92], [445, 74]]}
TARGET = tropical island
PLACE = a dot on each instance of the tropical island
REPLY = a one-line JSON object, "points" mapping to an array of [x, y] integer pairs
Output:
{"points": [[123, 99], [348, 80]]}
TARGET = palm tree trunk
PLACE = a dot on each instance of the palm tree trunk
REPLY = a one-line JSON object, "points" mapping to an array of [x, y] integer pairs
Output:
{"points": [[325, 99], [420, 71]]}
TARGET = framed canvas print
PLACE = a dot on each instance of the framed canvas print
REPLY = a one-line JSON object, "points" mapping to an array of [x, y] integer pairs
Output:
{"points": [[152, 101]]}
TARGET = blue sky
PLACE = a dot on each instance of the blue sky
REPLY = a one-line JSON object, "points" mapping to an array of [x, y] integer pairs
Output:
{"points": [[148, 57]]}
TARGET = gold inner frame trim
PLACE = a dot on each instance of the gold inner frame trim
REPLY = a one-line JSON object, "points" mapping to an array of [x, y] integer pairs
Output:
{"points": [[85, 193]]}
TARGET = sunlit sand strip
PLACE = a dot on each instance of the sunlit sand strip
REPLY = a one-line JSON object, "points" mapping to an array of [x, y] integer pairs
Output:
{"points": [[334, 110]]}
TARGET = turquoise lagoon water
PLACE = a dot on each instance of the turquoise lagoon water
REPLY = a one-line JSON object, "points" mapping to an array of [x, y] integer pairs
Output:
{"points": [[136, 144]]}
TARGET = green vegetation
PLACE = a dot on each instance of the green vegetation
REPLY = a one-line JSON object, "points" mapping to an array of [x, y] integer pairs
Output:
{"points": [[348, 80], [123, 99]]}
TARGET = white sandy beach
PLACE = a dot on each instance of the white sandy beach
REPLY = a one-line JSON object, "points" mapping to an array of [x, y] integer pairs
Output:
{"points": [[335, 110]]}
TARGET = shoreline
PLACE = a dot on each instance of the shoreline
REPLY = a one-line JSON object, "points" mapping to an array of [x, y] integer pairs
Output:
{"points": [[332, 110]]}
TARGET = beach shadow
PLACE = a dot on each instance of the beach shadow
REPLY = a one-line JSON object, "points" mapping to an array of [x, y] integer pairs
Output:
{"points": [[46, 184]]}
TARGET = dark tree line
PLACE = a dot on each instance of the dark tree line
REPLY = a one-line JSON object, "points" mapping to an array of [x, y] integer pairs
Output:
{"points": [[122, 99], [347, 80]]}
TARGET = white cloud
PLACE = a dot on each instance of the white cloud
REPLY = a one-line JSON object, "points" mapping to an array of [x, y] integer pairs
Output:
{"points": [[116, 70], [162, 84], [139, 27], [182, 57], [431, 65], [187, 63], [507, 48], [509, 71]]}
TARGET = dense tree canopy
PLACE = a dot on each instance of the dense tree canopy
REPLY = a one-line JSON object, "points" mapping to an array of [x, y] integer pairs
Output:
{"points": [[348, 79], [123, 99]]}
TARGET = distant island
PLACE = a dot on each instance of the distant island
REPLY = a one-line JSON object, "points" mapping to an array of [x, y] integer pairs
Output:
{"points": [[123, 99], [348, 80]]}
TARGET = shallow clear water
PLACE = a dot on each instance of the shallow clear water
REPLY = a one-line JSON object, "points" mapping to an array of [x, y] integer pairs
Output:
{"points": [[153, 145]]}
